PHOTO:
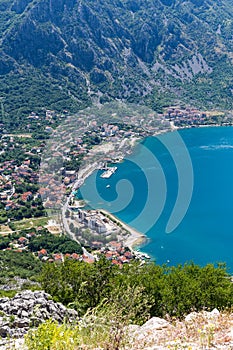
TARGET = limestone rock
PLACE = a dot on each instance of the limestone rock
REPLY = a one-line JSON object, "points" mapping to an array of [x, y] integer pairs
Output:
{"points": [[27, 309], [204, 314], [155, 323]]}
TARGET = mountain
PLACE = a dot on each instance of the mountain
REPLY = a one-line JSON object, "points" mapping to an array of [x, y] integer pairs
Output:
{"points": [[66, 54]]}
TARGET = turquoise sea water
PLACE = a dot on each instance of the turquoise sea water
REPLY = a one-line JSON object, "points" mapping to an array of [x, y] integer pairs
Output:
{"points": [[206, 231]]}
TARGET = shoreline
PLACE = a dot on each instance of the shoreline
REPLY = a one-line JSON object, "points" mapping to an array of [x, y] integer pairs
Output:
{"points": [[135, 239]]}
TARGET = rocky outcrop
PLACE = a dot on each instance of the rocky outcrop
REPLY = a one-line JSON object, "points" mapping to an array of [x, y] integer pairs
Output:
{"points": [[199, 330], [28, 309]]}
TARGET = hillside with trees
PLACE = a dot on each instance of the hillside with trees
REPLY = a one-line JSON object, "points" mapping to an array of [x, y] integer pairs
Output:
{"points": [[65, 55]]}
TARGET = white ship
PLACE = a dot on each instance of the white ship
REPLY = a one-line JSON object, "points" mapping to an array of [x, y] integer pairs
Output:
{"points": [[109, 172]]}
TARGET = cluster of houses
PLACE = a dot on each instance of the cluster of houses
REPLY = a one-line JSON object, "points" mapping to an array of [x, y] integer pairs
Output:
{"points": [[114, 252], [105, 130], [55, 180], [49, 115], [194, 117], [74, 145], [59, 257], [186, 116], [21, 244], [16, 176]]}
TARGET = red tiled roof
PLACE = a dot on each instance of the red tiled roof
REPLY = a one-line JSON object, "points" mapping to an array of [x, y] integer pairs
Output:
{"points": [[75, 256], [128, 255], [115, 262], [22, 239], [122, 258], [26, 195], [57, 256], [88, 260], [43, 252]]}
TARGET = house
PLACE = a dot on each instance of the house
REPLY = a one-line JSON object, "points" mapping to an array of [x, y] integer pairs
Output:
{"points": [[115, 245], [22, 241], [75, 256], [87, 259], [109, 255], [42, 253], [128, 255], [117, 263], [26, 196], [10, 205], [30, 234], [123, 259], [58, 257], [96, 244]]}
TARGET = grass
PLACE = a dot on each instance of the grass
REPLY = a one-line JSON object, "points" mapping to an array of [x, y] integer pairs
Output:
{"points": [[26, 224], [200, 333], [4, 230]]}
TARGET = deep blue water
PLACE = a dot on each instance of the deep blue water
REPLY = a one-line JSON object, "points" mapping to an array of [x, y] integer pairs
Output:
{"points": [[206, 232]]}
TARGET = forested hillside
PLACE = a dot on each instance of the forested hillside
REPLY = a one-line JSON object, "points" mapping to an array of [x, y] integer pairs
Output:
{"points": [[66, 54]]}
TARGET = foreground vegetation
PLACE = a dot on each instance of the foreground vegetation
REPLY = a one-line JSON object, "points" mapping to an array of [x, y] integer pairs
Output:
{"points": [[109, 299], [173, 291], [198, 333], [103, 327]]}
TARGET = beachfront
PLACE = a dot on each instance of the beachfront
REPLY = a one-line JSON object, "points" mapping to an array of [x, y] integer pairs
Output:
{"points": [[135, 237], [97, 158], [130, 237]]}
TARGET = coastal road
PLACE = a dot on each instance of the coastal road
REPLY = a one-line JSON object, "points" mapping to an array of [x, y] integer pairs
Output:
{"points": [[84, 174]]}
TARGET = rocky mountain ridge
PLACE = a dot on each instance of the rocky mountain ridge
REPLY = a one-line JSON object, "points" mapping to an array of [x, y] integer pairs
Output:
{"points": [[67, 54]]}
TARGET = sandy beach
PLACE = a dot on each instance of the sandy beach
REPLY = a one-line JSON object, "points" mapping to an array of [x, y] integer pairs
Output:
{"points": [[136, 238]]}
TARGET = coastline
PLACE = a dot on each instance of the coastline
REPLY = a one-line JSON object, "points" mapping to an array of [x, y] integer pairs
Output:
{"points": [[135, 239]]}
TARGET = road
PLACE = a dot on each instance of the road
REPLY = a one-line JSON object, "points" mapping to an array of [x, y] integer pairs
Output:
{"points": [[65, 224]]}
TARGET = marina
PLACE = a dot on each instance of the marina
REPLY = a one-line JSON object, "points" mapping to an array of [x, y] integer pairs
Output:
{"points": [[109, 172]]}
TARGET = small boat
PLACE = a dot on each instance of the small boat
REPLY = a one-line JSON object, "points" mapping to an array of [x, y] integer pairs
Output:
{"points": [[107, 186]]}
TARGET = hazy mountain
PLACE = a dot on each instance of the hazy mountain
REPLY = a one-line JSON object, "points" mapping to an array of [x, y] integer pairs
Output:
{"points": [[63, 54]]}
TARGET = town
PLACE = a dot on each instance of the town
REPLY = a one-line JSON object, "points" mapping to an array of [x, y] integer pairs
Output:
{"points": [[39, 176]]}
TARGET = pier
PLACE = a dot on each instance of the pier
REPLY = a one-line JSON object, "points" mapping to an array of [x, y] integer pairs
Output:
{"points": [[109, 172]]}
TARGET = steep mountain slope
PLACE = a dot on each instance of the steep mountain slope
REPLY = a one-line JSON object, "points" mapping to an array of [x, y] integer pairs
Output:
{"points": [[65, 54]]}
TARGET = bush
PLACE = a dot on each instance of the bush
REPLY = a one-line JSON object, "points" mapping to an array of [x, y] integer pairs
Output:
{"points": [[104, 327], [173, 291]]}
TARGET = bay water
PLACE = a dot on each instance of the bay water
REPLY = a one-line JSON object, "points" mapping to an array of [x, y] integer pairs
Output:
{"points": [[205, 235]]}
